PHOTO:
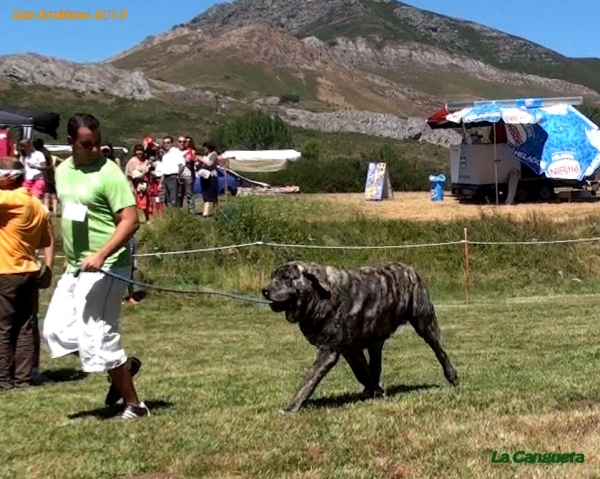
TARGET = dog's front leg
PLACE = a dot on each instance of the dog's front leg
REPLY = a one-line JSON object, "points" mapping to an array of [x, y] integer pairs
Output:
{"points": [[326, 359]]}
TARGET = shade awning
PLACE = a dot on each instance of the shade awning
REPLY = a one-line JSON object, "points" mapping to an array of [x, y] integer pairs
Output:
{"points": [[47, 123]]}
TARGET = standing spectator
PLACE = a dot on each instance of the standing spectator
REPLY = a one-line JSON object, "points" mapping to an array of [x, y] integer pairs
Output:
{"points": [[109, 152], [173, 163], [208, 178], [34, 161], [137, 162], [190, 180], [187, 176], [23, 230], [157, 194], [7, 147], [99, 218], [50, 199], [136, 170]]}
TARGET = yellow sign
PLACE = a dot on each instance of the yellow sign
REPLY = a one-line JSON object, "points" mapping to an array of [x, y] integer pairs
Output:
{"points": [[70, 15], [378, 185]]}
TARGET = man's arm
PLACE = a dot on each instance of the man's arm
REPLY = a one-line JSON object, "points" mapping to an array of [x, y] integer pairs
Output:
{"points": [[49, 249], [117, 191], [47, 242], [127, 222]]}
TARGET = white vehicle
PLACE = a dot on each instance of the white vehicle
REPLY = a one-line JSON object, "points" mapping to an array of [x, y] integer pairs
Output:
{"points": [[484, 164], [64, 151]]}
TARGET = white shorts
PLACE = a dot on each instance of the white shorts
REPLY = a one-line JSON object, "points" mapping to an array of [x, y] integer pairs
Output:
{"points": [[84, 316]]}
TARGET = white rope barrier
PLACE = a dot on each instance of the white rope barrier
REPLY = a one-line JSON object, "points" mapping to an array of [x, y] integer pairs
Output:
{"points": [[400, 246], [533, 242], [363, 247], [201, 250]]}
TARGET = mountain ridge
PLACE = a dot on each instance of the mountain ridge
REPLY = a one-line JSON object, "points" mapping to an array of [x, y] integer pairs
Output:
{"points": [[370, 60]]}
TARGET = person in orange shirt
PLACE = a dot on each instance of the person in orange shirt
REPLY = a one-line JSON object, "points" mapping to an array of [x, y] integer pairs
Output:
{"points": [[23, 230]]}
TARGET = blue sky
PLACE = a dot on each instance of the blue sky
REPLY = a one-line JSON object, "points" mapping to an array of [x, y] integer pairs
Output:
{"points": [[571, 30]]}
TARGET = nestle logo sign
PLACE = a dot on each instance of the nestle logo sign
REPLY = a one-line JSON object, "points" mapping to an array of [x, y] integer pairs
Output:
{"points": [[565, 169], [517, 135]]}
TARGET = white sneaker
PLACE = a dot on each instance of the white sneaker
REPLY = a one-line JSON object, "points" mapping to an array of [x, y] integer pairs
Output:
{"points": [[136, 412]]}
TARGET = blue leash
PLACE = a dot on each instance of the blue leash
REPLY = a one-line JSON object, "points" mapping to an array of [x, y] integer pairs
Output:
{"points": [[180, 291]]}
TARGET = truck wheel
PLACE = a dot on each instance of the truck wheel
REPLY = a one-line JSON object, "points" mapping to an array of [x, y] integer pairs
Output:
{"points": [[546, 193], [521, 196]]}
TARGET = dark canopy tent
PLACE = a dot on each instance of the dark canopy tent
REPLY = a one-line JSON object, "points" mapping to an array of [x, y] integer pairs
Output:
{"points": [[46, 123]]}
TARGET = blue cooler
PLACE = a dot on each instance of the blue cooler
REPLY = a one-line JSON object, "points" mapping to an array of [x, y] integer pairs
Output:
{"points": [[437, 184]]}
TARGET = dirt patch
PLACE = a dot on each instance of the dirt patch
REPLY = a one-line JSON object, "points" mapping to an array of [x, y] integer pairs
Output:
{"points": [[418, 206]]}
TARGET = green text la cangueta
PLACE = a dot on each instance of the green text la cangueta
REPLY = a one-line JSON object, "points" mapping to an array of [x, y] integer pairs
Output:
{"points": [[522, 457]]}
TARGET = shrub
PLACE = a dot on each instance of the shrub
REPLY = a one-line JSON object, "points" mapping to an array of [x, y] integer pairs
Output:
{"points": [[254, 130], [497, 271], [315, 174], [289, 98]]}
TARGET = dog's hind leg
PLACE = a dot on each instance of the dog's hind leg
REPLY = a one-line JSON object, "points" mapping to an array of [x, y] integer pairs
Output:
{"points": [[325, 360], [426, 326], [362, 371]]}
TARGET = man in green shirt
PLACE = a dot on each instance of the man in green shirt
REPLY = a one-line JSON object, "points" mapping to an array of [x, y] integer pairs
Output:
{"points": [[99, 216]]}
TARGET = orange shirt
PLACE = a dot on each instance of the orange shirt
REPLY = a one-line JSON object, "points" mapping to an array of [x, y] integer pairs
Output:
{"points": [[23, 229]]}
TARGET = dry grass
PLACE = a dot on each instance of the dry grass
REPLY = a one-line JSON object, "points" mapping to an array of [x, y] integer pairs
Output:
{"points": [[418, 206], [218, 372]]}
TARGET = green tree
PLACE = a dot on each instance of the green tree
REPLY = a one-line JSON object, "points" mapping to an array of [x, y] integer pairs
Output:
{"points": [[311, 150], [254, 130], [591, 111]]}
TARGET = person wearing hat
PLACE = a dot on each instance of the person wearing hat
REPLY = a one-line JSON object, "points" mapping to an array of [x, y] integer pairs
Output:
{"points": [[24, 228]]}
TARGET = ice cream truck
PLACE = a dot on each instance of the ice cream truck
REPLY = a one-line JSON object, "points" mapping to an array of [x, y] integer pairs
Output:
{"points": [[483, 167]]}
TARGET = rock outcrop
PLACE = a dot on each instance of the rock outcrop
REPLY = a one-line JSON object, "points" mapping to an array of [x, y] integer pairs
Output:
{"points": [[33, 69], [369, 123]]}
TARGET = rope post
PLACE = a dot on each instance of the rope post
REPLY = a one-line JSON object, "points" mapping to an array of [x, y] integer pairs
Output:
{"points": [[467, 267], [226, 188]]}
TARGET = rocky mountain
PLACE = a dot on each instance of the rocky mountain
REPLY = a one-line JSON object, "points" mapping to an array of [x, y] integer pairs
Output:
{"points": [[368, 66], [385, 22]]}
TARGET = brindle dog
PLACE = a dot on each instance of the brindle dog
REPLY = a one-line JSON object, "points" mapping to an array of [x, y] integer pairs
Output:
{"points": [[345, 311]]}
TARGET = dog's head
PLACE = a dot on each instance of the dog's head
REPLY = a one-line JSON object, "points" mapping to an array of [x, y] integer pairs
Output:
{"points": [[294, 287]]}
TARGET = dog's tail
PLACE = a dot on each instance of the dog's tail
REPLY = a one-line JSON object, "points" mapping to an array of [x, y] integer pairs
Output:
{"points": [[422, 306]]}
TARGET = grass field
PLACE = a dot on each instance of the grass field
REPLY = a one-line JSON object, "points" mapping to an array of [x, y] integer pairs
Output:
{"points": [[216, 372], [216, 375]]}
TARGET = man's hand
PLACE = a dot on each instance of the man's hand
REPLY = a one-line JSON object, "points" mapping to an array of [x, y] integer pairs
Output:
{"points": [[44, 280], [7, 180], [93, 262]]}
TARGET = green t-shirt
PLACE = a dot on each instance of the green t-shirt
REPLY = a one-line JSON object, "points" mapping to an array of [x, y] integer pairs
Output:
{"points": [[103, 189]]}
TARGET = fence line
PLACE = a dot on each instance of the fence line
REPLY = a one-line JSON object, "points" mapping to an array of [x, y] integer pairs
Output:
{"points": [[466, 242], [531, 242]]}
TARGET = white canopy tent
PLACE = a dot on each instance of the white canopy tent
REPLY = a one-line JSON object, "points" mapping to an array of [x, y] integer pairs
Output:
{"points": [[261, 161]]}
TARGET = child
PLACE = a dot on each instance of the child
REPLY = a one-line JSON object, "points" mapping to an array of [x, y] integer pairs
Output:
{"points": [[142, 194], [157, 194]]}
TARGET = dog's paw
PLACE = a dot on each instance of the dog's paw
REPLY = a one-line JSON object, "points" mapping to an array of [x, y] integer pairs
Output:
{"points": [[452, 377], [287, 411], [374, 393]]}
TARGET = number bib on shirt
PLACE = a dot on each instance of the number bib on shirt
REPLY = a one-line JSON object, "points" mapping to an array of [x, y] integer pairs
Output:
{"points": [[75, 212]]}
